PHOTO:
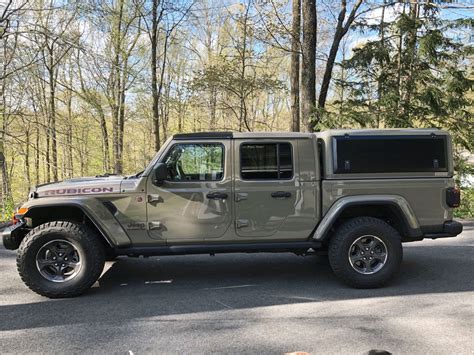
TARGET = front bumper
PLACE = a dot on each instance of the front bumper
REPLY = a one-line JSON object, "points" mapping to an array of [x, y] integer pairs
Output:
{"points": [[13, 235], [449, 229]]}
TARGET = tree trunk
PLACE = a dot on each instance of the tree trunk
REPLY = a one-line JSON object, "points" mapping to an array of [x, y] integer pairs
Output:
{"points": [[243, 67], [380, 87], [69, 160], [154, 73], [37, 152], [162, 74], [308, 70], [213, 108], [105, 139], [117, 93], [166, 109], [121, 121], [27, 158], [6, 187], [399, 66], [52, 113], [48, 155], [409, 62], [295, 66]]}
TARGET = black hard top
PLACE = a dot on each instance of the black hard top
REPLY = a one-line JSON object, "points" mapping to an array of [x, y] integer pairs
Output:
{"points": [[204, 135]]}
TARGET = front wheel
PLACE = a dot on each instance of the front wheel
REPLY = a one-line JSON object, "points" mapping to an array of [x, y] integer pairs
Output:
{"points": [[365, 252], [60, 259]]}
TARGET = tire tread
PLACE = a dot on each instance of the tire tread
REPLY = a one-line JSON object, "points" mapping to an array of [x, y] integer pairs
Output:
{"points": [[84, 235], [337, 243]]}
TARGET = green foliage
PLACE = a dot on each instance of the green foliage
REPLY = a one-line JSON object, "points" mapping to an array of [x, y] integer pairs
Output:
{"points": [[413, 75], [6, 210], [421, 83], [466, 210]]}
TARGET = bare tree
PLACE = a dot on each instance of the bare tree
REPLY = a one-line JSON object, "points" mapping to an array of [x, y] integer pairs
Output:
{"points": [[155, 20], [341, 30], [169, 16], [125, 32]]}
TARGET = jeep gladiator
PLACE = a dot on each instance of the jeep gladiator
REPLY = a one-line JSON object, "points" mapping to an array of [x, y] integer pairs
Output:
{"points": [[356, 195]]}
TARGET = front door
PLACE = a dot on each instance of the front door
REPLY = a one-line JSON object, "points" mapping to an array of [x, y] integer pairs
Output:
{"points": [[194, 203], [267, 194]]}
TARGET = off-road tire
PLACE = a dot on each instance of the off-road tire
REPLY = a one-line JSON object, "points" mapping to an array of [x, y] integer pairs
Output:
{"points": [[82, 237], [350, 231]]}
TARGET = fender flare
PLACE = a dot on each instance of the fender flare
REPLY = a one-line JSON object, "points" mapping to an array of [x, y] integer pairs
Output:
{"points": [[400, 205], [97, 212]]}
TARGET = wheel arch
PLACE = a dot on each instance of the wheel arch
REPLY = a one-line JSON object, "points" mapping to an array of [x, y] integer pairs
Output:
{"points": [[76, 212], [393, 209]]}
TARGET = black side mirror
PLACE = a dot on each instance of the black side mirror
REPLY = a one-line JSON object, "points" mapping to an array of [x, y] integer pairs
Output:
{"points": [[160, 173]]}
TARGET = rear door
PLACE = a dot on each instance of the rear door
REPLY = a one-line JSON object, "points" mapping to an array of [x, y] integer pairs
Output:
{"points": [[267, 194]]}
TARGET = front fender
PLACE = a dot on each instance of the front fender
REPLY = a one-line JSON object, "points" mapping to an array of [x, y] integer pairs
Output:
{"points": [[94, 209], [396, 201]]}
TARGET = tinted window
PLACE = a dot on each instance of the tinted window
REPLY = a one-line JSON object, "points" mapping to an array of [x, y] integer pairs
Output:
{"points": [[195, 162], [390, 154], [266, 161]]}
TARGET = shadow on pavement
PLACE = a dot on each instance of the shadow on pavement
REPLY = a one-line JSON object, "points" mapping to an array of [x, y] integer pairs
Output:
{"points": [[145, 288]]}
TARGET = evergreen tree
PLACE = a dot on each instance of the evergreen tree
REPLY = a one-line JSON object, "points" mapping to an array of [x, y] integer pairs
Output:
{"points": [[413, 75]]}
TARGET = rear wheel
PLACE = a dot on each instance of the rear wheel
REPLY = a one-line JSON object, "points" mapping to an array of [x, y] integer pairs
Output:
{"points": [[365, 252], [60, 259]]}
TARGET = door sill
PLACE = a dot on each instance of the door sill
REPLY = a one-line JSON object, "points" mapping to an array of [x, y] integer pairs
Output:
{"points": [[275, 247]]}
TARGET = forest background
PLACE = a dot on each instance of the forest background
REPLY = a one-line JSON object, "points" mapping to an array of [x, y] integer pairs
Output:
{"points": [[88, 87]]}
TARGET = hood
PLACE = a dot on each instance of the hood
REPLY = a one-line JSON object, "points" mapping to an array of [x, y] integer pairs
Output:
{"points": [[98, 185]]}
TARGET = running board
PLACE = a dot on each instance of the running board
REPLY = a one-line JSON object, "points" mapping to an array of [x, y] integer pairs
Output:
{"points": [[279, 247]]}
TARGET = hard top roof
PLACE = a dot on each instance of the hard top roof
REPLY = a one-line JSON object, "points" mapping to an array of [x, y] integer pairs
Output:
{"points": [[240, 135], [303, 135]]}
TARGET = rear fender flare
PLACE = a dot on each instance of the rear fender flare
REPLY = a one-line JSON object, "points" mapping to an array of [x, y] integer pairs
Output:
{"points": [[398, 202]]}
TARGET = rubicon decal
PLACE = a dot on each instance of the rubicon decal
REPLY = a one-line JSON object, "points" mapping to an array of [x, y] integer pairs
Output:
{"points": [[79, 191]]}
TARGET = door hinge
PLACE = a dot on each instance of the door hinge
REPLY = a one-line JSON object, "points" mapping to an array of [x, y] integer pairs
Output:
{"points": [[239, 196], [155, 225]]}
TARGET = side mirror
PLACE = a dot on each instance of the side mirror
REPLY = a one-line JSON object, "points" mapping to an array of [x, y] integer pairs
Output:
{"points": [[160, 173]]}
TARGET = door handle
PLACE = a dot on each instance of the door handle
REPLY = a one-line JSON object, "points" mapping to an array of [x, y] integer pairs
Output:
{"points": [[281, 194], [217, 195], [154, 198]]}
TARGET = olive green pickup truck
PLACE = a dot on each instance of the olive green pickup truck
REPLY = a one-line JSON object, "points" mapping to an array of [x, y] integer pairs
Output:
{"points": [[356, 195]]}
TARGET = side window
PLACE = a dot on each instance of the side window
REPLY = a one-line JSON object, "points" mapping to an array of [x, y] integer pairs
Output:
{"points": [[195, 162], [266, 161]]}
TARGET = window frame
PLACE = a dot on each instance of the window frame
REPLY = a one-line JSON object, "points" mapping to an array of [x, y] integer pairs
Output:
{"points": [[165, 156], [278, 160]]}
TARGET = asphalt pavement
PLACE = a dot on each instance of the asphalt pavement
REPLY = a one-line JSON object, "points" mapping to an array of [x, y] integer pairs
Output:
{"points": [[252, 304]]}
